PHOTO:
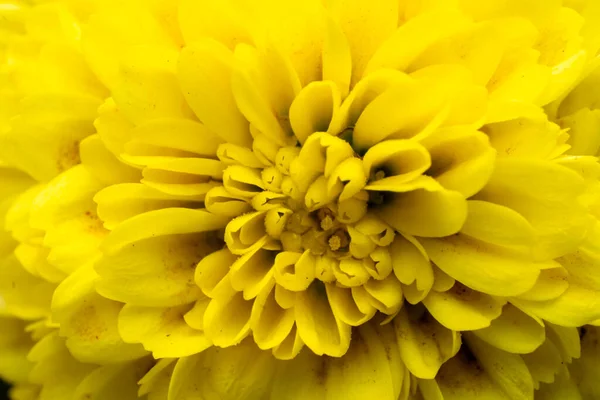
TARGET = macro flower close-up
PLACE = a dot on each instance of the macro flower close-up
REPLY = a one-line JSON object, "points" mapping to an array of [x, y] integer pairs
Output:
{"points": [[300, 199]]}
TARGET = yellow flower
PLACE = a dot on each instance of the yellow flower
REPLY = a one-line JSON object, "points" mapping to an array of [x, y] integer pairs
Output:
{"points": [[301, 199]]}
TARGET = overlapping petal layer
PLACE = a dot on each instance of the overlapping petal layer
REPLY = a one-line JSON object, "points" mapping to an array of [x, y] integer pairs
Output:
{"points": [[300, 199]]}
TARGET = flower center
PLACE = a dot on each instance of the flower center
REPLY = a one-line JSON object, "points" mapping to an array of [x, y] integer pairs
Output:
{"points": [[309, 199]]}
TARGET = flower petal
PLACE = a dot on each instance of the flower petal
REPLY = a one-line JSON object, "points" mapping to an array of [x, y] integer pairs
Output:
{"points": [[237, 372], [227, 318], [503, 335], [118, 382], [117, 203], [162, 331], [147, 87], [204, 71], [270, 323], [89, 321], [318, 326], [224, 21], [159, 223], [434, 212], [462, 159], [577, 306], [507, 371], [314, 108], [499, 225], [462, 309], [154, 272], [545, 193], [424, 344], [482, 266]]}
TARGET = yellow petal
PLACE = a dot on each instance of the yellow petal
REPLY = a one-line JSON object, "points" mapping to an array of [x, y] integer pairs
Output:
{"points": [[242, 181], [26, 296], [482, 266], [89, 321], [252, 273], [117, 203], [582, 127], [109, 36], [386, 294], [545, 193], [224, 21], [503, 335], [402, 111], [270, 323], [337, 58], [314, 108], [585, 369], [57, 123], [297, 29], [15, 344], [411, 265], [219, 201], [525, 137], [175, 137], [117, 382], [290, 347], [68, 195], [378, 22], [318, 326], [294, 271], [461, 378], [245, 232], [363, 94], [147, 87], [582, 264], [351, 306], [154, 272], [402, 160], [103, 164], [212, 269], [156, 381], [162, 331], [550, 284], [227, 319], [543, 363], [462, 309], [236, 372], [424, 344], [507, 371], [159, 223], [413, 37], [34, 259], [563, 387], [577, 306], [364, 371], [426, 212], [498, 225], [251, 94], [113, 127], [232, 154], [204, 71], [462, 159]]}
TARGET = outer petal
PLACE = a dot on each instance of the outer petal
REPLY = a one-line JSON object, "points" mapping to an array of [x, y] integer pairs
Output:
{"points": [[237, 372], [89, 321], [429, 212], [461, 308], [424, 344], [482, 266], [513, 331], [155, 272], [161, 330]]}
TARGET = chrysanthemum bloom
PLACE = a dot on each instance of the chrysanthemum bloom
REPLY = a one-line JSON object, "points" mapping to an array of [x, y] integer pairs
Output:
{"points": [[302, 199]]}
